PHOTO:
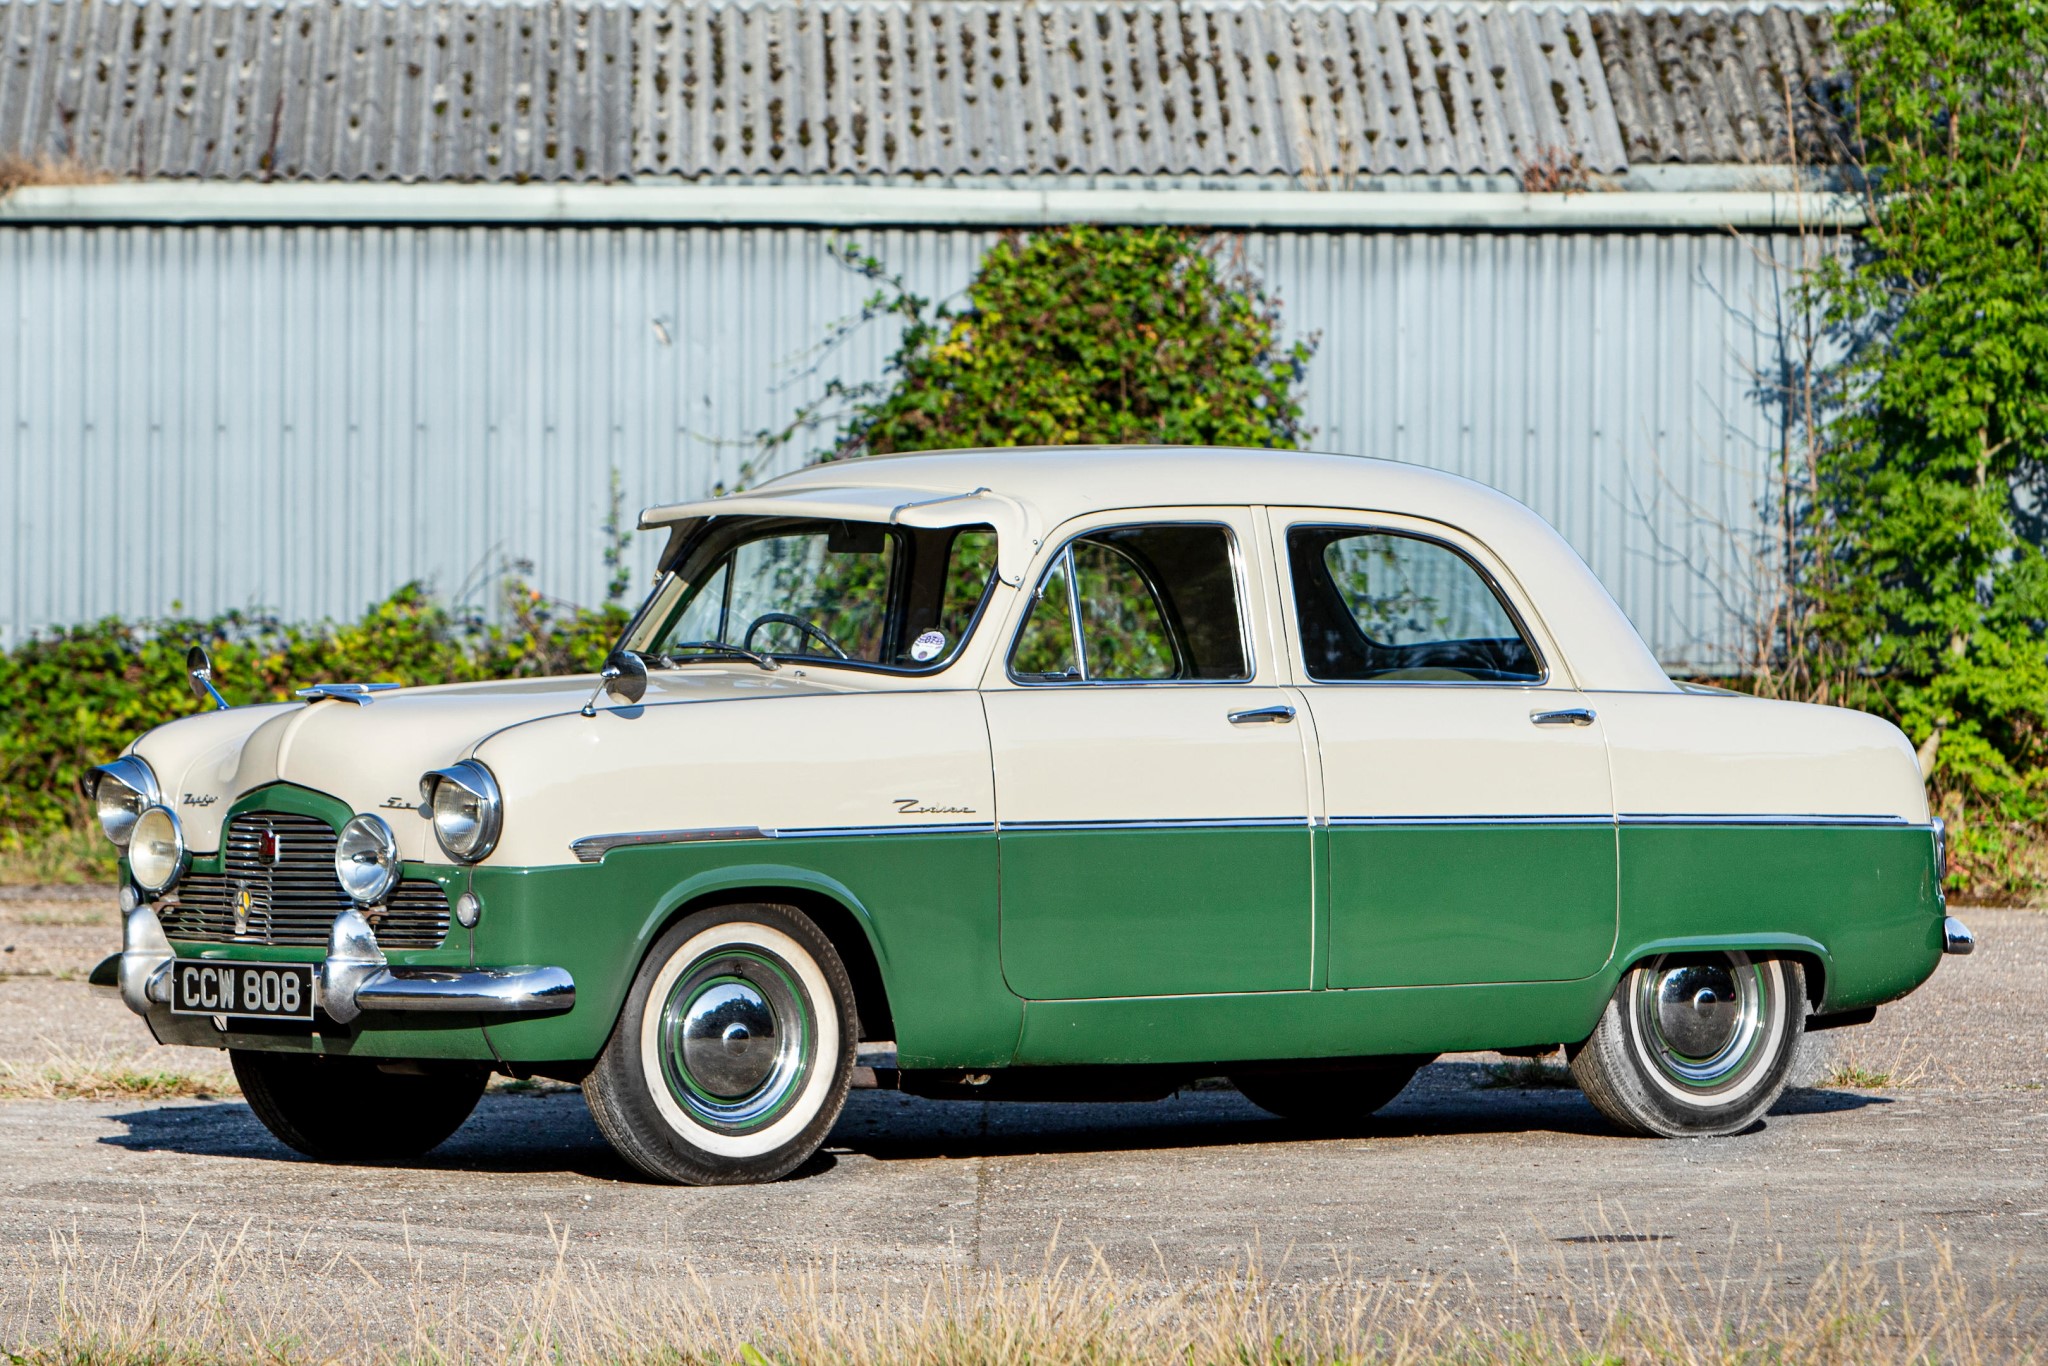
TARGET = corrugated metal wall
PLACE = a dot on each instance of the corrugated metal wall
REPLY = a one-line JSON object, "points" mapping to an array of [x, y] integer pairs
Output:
{"points": [[301, 419]]}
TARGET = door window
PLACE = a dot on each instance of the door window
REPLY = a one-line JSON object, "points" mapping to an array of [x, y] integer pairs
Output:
{"points": [[1376, 606], [1136, 604]]}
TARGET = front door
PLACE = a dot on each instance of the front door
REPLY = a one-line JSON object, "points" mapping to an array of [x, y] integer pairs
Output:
{"points": [[1465, 782], [1151, 790]]}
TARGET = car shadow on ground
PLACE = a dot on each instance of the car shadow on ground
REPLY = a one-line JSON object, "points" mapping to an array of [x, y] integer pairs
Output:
{"points": [[553, 1131]]}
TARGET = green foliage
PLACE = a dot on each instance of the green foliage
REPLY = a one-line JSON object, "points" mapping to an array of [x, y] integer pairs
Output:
{"points": [[76, 697], [1079, 335], [1930, 570]]}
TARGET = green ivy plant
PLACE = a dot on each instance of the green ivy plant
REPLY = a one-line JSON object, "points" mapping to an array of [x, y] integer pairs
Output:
{"points": [[1930, 571], [1077, 335]]}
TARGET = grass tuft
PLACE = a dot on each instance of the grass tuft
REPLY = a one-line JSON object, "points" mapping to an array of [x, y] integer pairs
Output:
{"points": [[67, 857], [1854, 1076], [109, 1077]]}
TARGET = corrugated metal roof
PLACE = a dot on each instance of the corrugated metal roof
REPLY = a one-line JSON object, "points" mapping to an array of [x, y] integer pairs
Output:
{"points": [[1323, 92]]}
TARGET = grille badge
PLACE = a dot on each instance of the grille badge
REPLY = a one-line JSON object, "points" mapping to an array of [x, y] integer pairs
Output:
{"points": [[241, 909], [270, 847]]}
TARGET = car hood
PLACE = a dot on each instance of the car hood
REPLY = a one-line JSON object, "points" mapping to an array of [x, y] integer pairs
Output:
{"points": [[371, 756]]}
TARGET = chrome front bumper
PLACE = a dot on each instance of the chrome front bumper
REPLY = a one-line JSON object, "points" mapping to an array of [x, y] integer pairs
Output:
{"points": [[353, 978]]}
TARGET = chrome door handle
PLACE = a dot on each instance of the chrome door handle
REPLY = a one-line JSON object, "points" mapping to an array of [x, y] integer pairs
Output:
{"points": [[1278, 715], [1570, 716]]}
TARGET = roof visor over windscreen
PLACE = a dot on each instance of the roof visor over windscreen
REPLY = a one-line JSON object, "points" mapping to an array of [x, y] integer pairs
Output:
{"points": [[1016, 524]]}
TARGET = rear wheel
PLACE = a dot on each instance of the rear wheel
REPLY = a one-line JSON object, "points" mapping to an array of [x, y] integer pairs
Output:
{"points": [[732, 1057], [357, 1109], [1334, 1098], [1695, 1044]]}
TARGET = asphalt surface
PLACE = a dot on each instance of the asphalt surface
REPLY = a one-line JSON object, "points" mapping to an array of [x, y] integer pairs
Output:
{"points": [[1459, 1178]]}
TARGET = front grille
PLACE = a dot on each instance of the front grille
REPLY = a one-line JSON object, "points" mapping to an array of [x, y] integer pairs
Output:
{"points": [[294, 899]]}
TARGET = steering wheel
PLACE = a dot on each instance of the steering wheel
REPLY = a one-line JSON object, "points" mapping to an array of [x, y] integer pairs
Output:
{"points": [[809, 628]]}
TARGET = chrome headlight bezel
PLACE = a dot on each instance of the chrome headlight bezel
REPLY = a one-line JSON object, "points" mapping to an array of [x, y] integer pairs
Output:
{"points": [[466, 837], [366, 860], [104, 787], [144, 844]]}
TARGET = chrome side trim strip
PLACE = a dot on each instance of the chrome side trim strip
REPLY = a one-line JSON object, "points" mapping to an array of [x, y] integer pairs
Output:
{"points": [[1192, 823], [1852, 822], [1341, 822], [593, 848], [822, 832], [1660, 818]]}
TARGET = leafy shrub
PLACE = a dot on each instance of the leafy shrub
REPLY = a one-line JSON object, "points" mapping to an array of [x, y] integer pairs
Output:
{"points": [[1930, 571], [1078, 335], [75, 697]]}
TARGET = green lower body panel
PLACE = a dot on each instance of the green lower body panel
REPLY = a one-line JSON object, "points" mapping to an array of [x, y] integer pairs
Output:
{"points": [[1188, 945], [1159, 912], [926, 904], [1437, 905], [1309, 1024], [1865, 898]]}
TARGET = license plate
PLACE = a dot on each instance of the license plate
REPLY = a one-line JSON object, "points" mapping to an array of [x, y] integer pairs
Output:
{"points": [[270, 991]]}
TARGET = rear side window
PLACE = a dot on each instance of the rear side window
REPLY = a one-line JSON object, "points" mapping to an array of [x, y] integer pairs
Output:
{"points": [[1375, 606], [1138, 604]]}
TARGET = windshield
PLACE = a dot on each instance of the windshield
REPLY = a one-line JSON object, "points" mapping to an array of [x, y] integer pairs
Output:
{"points": [[858, 593]]}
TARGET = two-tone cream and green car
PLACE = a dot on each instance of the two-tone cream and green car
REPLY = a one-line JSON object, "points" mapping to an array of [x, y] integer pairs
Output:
{"points": [[1066, 772]]}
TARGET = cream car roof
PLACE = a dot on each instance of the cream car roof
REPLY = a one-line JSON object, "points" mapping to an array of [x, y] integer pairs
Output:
{"points": [[1027, 492]]}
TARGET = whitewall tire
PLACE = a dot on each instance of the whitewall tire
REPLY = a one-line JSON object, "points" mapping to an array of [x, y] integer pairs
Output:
{"points": [[1695, 1044], [732, 1056]]}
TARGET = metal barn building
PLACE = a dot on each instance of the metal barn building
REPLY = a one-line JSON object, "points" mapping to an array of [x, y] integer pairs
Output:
{"points": [[374, 291]]}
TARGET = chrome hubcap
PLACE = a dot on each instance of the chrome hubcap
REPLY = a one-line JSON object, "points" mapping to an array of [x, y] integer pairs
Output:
{"points": [[1702, 1017], [736, 1039]]}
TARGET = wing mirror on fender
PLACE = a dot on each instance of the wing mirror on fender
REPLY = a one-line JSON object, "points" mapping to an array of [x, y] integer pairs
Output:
{"points": [[623, 679], [199, 673]]}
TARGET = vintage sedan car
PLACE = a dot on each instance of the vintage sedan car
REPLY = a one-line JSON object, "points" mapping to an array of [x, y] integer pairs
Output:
{"points": [[1036, 773]]}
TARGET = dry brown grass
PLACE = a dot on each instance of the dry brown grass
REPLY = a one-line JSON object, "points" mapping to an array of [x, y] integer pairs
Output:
{"points": [[110, 1076], [70, 857], [194, 1300], [18, 172]]}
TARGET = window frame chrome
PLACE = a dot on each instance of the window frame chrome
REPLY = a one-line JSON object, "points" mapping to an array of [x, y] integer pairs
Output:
{"points": [[1285, 557], [1240, 591], [673, 569]]}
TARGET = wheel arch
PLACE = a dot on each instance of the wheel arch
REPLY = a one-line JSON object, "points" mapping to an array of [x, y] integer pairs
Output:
{"points": [[1815, 962], [828, 903]]}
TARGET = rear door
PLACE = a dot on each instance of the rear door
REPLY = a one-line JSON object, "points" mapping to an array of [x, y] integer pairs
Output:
{"points": [[1471, 817], [1151, 785]]}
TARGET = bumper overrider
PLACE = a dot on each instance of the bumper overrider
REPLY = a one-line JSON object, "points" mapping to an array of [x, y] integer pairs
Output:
{"points": [[354, 977]]}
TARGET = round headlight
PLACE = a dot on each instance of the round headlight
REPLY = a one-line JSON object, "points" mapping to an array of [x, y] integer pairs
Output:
{"points": [[366, 860], [466, 808], [156, 849], [121, 792]]}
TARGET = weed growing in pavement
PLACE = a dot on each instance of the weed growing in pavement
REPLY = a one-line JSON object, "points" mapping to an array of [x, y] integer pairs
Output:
{"points": [[1853, 1076], [195, 1299]]}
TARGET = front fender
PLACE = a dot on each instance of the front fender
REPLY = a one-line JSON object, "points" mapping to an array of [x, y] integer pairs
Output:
{"points": [[926, 904]]}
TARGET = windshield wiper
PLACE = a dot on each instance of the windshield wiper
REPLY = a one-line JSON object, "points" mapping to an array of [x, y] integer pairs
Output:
{"points": [[717, 647]]}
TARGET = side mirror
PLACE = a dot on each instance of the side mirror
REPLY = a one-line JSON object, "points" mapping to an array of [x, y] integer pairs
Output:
{"points": [[199, 673], [623, 679]]}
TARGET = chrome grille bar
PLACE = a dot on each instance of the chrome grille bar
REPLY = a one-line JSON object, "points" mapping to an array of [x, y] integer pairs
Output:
{"points": [[285, 862]]}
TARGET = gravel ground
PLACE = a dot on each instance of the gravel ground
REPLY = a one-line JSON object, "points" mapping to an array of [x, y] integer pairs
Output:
{"points": [[1456, 1179]]}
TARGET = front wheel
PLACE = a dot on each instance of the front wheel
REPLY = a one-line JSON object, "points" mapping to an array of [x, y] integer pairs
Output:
{"points": [[732, 1057], [357, 1109], [1692, 1045]]}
